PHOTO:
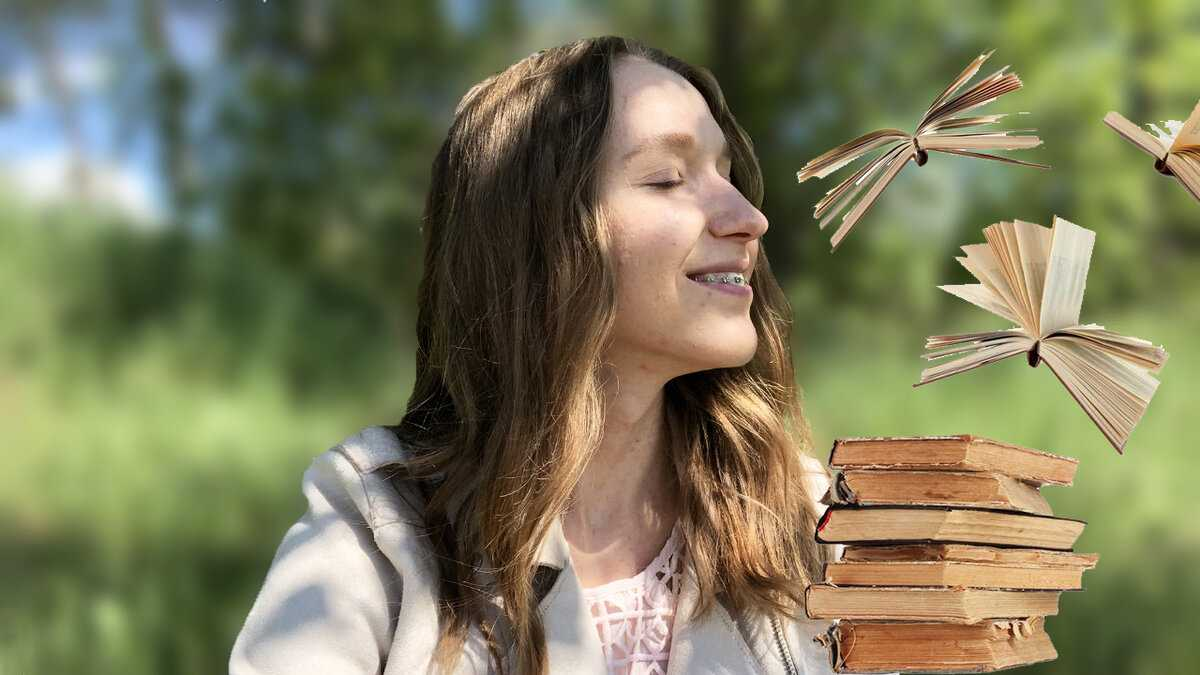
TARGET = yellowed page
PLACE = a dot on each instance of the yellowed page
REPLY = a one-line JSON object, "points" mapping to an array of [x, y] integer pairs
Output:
{"points": [[839, 197], [981, 262], [1061, 364], [1004, 247], [994, 141], [1114, 393], [959, 81], [847, 152], [1190, 135], [1135, 134], [1136, 351], [1013, 246], [1186, 167], [994, 158], [964, 122], [1066, 275], [1033, 244], [938, 346], [1115, 370], [989, 352], [868, 200], [979, 94], [983, 297], [1120, 406]]}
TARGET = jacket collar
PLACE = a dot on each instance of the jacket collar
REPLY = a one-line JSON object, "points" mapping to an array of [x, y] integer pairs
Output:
{"points": [[713, 644], [572, 644], [554, 550]]}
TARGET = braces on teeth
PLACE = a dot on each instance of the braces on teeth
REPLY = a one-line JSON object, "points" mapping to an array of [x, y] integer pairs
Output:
{"points": [[735, 278]]}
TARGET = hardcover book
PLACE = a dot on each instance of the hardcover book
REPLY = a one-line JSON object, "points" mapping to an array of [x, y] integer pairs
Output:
{"points": [[963, 452], [872, 647], [855, 524]]}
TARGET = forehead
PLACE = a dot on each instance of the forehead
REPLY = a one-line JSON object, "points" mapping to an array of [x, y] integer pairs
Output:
{"points": [[649, 100]]}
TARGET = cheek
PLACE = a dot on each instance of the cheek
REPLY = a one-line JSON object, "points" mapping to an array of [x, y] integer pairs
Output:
{"points": [[671, 326], [650, 257]]}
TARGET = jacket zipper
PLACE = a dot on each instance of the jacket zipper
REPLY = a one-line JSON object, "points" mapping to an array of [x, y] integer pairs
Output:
{"points": [[784, 653]]}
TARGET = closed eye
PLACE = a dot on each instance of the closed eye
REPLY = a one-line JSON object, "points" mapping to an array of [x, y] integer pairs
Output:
{"points": [[665, 186]]}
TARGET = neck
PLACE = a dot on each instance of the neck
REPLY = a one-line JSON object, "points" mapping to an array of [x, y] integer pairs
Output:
{"points": [[628, 488]]}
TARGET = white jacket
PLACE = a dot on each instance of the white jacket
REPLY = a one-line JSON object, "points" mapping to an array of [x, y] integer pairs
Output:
{"points": [[352, 590]]}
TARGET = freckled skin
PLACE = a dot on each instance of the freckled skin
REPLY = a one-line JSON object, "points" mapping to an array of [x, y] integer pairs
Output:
{"points": [[666, 323]]}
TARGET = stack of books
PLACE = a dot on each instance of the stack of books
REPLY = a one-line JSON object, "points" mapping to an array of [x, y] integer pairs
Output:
{"points": [[952, 556]]}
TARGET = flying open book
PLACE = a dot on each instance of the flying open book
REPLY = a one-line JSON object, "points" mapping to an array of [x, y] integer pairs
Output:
{"points": [[940, 130], [1176, 150], [1034, 276]]}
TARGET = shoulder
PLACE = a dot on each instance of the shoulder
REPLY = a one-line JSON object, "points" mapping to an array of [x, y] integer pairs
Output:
{"points": [[332, 596], [360, 472], [371, 449]]}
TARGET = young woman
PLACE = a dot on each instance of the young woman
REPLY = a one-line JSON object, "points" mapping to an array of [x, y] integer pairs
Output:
{"points": [[602, 466]]}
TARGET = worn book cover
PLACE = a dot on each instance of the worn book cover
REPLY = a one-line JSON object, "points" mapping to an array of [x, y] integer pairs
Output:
{"points": [[862, 524], [876, 647]]}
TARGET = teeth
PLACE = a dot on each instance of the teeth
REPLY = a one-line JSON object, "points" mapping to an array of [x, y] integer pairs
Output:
{"points": [[735, 278]]}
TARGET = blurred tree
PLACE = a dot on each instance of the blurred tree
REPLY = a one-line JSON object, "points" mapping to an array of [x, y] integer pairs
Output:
{"points": [[34, 20], [335, 115], [167, 95]]}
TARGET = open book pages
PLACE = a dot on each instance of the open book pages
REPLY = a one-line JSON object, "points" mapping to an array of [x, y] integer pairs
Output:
{"points": [[1035, 276], [944, 128], [1175, 145]]}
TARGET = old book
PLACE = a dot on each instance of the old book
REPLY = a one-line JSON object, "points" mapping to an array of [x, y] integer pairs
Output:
{"points": [[862, 524], [951, 605], [963, 452], [1175, 148], [988, 490], [970, 553], [1034, 276], [944, 128], [875, 647], [954, 574]]}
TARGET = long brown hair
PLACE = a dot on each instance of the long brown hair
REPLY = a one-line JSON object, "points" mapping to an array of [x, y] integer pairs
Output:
{"points": [[515, 308]]}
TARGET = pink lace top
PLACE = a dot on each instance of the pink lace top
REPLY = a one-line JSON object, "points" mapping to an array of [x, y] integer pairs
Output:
{"points": [[634, 616]]}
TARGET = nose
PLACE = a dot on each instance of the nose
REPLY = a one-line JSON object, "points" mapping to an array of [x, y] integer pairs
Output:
{"points": [[736, 217]]}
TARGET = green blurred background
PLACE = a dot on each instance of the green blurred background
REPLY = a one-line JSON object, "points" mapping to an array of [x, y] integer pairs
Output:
{"points": [[209, 256]]}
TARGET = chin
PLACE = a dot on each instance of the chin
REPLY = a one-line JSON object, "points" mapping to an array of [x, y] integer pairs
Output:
{"points": [[739, 359], [734, 350]]}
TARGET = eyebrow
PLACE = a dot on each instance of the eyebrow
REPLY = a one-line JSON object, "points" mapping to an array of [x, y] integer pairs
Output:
{"points": [[675, 141]]}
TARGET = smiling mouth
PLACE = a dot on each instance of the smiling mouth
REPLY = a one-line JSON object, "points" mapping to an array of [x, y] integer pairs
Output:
{"points": [[730, 278]]}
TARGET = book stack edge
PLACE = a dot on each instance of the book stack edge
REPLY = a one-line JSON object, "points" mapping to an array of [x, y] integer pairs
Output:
{"points": [[952, 556]]}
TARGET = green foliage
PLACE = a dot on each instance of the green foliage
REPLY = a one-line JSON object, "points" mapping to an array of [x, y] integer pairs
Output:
{"points": [[159, 429]]}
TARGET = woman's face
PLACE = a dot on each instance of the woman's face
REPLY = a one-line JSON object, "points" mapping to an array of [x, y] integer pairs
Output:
{"points": [[675, 216]]}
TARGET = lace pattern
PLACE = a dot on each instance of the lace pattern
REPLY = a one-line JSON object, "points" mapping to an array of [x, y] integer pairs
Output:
{"points": [[634, 616]]}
